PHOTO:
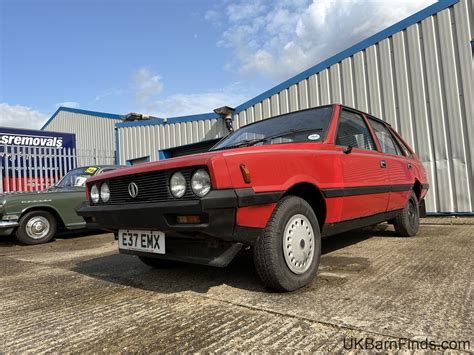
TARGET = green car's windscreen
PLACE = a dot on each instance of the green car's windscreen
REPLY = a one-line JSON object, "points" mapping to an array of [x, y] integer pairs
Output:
{"points": [[77, 177]]}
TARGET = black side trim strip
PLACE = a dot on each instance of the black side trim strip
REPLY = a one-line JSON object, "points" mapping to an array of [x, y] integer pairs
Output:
{"points": [[425, 186], [364, 190], [340, 227], [248, 197]]}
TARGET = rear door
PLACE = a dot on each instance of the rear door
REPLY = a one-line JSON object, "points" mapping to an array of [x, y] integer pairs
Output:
{"points": [[398, 166], [365, 179]]}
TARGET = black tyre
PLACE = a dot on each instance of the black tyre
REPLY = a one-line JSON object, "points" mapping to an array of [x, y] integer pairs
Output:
{"points": [[408, 221], [287, 255], [36, 227], [157, 263]]}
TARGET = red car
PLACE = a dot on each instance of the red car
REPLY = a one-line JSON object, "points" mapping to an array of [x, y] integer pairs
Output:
{"points": [[277, 185]]}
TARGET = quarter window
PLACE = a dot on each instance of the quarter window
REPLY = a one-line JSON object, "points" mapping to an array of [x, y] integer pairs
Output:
{"points": [[385, 139], [353, 131]]}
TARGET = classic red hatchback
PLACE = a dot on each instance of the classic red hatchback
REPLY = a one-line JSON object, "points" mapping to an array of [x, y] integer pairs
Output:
{"points": [[277, 185]]}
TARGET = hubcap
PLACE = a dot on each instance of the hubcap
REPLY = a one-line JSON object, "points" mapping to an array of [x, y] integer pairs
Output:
{"points": [[298, 244], [37, 227]]}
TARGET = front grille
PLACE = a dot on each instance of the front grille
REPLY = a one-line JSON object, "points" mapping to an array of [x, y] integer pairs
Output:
{"points": [[152, 187]]}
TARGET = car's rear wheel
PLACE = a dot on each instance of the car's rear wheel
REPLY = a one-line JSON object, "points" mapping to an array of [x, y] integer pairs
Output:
{"points": [[287, 255], [157, 263], [407, 222], [36, 227]]}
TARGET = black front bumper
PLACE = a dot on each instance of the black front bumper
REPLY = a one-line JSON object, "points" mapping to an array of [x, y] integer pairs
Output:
{"points": [[217, 210]]}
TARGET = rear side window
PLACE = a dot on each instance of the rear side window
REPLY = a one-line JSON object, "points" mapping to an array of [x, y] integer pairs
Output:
{"points": [[407, 151], [385, 138], [353, 131]]}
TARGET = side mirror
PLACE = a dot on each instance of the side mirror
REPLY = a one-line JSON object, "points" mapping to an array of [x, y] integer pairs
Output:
{"points": [[347, 149]]}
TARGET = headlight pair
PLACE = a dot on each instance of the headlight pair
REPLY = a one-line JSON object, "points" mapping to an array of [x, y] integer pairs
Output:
{"points": [[103, 195], [200, 183]]}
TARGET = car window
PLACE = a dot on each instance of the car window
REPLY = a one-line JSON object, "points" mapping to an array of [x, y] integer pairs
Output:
{"points": [[387, 143], [104, 170], [301, 126], [403, 146], [77, 177], [353, 131]]}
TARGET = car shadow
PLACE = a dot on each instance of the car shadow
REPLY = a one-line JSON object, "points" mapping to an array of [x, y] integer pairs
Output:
{"points": [[128, 270]]}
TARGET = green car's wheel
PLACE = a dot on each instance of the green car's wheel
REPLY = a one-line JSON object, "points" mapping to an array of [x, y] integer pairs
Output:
{"points": [[36, 227]]}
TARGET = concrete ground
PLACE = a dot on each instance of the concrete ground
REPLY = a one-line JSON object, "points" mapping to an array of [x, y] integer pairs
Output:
{"points": [[78, 294]]}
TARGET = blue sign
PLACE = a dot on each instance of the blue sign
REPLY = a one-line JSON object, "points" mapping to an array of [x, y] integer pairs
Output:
{"points": [[38, 139]]}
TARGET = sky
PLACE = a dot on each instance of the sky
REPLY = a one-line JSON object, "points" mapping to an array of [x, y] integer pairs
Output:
{"points": [[168, 58]]}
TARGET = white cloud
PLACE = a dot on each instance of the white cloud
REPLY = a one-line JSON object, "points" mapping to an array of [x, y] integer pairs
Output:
{"points": [[280, 38], [146, 84], [194, 103], [21, 117], [71, 104]]}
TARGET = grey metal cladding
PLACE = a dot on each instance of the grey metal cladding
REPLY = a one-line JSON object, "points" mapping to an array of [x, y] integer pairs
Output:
{"points": [[420, 80]]}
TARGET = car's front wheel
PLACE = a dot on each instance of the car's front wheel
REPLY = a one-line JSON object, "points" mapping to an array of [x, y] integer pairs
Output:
{"points": [[36, 227], [287, 255], [407, 222]]}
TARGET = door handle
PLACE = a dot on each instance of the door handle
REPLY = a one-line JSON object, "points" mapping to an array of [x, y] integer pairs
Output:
{"points": [[409, 166], [383, 164]]}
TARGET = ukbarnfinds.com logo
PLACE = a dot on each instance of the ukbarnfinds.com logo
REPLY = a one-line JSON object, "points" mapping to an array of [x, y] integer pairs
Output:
{"points": [[404, 344]]}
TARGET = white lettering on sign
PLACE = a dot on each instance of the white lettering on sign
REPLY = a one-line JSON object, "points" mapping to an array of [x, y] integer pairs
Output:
{"points": [[35, 141]]}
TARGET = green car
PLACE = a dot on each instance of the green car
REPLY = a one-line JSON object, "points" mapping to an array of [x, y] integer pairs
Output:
{"points": [[36, 216]]}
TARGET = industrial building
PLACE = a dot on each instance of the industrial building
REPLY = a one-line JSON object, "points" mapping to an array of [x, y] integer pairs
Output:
{"points": [[417, 75]]}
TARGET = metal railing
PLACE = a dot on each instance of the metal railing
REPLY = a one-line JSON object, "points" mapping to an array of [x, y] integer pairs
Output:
{"points": [[26, 168]]}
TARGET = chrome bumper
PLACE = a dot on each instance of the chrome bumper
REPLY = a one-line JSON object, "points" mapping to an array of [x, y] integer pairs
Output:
{"points": [[8, 224]]}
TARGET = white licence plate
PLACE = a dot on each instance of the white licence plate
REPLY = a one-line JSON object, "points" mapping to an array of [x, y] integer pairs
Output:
{"points": [[142, 240]]}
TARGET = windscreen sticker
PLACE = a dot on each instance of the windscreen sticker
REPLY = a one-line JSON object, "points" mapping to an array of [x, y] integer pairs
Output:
{"points": [[90, 170], [314, 137]]}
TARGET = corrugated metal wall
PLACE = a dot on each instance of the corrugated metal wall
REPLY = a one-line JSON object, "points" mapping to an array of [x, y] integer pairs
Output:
{"points": [[95, 136], [147, 140], [420, 80]]}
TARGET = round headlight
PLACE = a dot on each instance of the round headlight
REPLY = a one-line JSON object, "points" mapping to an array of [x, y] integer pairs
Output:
{"points": [[201, 182], [95, 193], [177, 184], [105, 192]]}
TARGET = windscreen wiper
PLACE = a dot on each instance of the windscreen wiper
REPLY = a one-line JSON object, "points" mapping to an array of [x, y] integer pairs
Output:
{"points": [[243, 143], [249, 142]]}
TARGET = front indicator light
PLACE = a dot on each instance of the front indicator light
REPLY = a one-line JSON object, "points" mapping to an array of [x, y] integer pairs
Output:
{"points": [[177, 184], [105, 192], [188, 219], [94, 194], [201, 183], [245, 173]]}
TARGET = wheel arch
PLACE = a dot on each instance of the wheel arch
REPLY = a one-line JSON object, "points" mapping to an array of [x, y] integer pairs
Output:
{"points": [[313, 195], [418, 189], [52, 210]]}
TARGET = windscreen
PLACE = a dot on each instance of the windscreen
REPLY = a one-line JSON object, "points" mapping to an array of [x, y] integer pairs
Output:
{"points": [[303, 126], [77, 177]]}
